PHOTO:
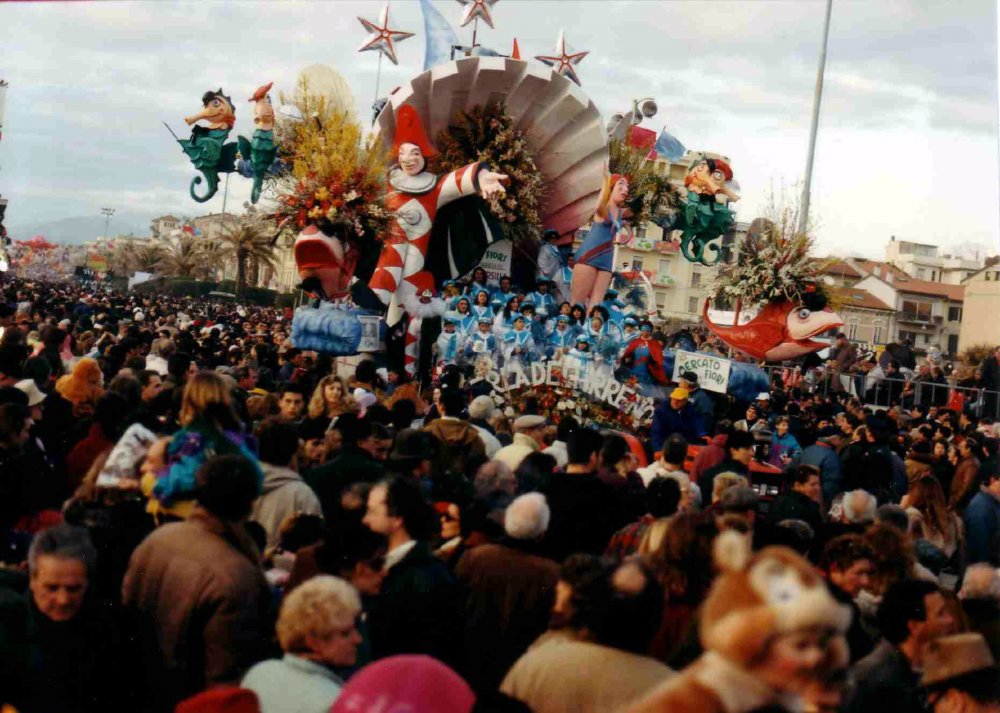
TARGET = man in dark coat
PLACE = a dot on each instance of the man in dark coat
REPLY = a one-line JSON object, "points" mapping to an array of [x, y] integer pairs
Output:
{"points": [[586, 511], [913, 612], [846, 565], [418, 607], [676, 415], [198, 590], [801, 500], [511, 590], [739, 454], [59, 648], [354, 463]]}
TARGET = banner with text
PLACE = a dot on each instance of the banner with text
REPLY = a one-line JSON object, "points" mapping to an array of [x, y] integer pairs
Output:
{"points": [[712, 371], [496, 260]]}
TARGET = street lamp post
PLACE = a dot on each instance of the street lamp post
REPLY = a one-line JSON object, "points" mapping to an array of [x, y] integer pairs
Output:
{"points": [[817, 98], [107, 213]]}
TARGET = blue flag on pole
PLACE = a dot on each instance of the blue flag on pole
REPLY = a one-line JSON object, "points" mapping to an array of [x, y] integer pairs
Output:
{"points": [[666, 145], [440, 36]]}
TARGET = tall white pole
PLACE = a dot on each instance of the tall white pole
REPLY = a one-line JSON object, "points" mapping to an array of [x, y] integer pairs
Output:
{"points": [[817, 99]]}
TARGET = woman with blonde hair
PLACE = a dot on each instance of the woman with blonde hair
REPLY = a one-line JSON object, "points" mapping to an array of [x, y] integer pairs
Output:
{"points": [[83, 387], [209, 427], [330, 399], [317, 630]]}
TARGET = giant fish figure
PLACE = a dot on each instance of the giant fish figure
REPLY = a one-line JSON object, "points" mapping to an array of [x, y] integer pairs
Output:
{"points": [[207, 147], [781, 330]]}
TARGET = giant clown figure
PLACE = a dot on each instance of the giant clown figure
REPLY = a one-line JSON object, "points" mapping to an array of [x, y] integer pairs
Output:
{"points": [[416, 196]]}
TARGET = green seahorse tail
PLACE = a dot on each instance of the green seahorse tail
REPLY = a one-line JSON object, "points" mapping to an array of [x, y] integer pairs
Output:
{"points": [[213, 187]]}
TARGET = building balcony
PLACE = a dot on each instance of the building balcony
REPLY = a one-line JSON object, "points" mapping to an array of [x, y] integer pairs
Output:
{"points": [[913, 318]]}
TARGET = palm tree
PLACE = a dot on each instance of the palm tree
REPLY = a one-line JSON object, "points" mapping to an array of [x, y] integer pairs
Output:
{"points": [[122, 257], [248, 244], [183, 257], [148, 257]]}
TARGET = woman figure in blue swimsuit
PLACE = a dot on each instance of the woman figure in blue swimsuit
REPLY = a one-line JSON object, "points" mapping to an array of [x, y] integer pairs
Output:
{"points": [[593, 269]]}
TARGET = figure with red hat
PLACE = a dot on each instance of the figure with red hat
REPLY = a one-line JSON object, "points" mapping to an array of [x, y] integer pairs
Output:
{"points": [[706, 216], [260, 152], [416, 196], [592, 269]]}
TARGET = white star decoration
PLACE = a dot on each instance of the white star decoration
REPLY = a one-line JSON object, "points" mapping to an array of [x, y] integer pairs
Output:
{"points": [[563, 61], [477, 8], [382, 38]]}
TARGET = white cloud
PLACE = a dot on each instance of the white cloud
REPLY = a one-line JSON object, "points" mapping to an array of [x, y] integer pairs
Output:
{"points": [[907, 146]]}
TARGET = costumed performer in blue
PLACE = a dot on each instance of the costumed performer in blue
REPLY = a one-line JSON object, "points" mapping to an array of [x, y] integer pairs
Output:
{"points": [[542, 297], [448, 346], [480, 281], [481, 342], [562, 339], [463, 313], [552, 266], [592, 269], [580, 358], [519, 347], [481, 304]]}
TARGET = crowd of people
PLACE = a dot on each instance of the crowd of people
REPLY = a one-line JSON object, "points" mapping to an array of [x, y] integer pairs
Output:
{"points": [[196, 516]]}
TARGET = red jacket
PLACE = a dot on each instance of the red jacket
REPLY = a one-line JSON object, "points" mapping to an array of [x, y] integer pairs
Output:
{"points": [[709, 457], [84, 453]]}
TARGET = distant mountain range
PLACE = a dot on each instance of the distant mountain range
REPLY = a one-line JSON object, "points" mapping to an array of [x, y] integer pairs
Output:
{"points": [[80, 229]]}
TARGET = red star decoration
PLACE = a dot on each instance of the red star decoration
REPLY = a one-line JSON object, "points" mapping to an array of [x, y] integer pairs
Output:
{"points": [[478, 8], [381, 38], [563, 62]]}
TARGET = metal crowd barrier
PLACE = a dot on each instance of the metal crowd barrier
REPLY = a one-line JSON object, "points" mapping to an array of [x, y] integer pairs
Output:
{"points": [[978, 402]]}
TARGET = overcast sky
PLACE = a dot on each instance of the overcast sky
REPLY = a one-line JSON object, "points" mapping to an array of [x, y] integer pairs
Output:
{"points": [[908, 135]]}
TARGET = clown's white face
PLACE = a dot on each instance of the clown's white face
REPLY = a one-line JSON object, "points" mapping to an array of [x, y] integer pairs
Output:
{"points": [[411, 159]]}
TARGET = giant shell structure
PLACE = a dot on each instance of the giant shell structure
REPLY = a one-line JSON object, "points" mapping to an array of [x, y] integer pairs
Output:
{"points": [[561, 125]]}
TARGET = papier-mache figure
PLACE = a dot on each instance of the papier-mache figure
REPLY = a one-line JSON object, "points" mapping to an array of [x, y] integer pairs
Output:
{"points": [[773, 638], [207, 147], [642, 358], [592, 269], [448, 346], [416, 257], [706, 215], [260, 152]]}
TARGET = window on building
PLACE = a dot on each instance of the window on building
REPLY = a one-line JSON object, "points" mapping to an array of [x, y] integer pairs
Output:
{"points": [[914, 311], [904, 335], [661, 300], [877, 331], [640, 232], [921, 273], [954, 314], [695, 279], [852, 328], [637, 263], [693, 305], [663, 267]]}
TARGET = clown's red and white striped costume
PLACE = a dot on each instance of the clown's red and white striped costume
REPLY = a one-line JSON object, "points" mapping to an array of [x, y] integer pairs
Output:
{"points": [[400, 275]]}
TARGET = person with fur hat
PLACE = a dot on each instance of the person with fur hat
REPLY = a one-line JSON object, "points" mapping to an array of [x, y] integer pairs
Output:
{"points": [[772, 636]]}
